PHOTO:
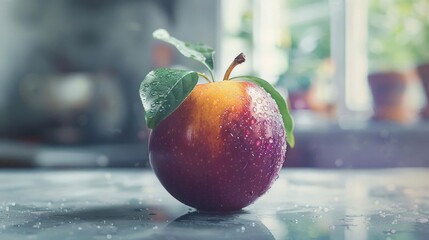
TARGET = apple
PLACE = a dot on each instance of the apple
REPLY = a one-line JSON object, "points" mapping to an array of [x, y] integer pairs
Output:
{"points": [[228, 150], [222, 147]]}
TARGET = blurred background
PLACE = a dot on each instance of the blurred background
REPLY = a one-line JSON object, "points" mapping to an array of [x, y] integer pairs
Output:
{"points": [[356, 74]]}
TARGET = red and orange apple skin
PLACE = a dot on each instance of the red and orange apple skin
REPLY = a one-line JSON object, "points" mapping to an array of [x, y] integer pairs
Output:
{"points": [[222, 148]]}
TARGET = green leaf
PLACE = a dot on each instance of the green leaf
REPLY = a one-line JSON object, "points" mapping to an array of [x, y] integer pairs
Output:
{"points": [[281, 103], [163, 90], [196, 51]]}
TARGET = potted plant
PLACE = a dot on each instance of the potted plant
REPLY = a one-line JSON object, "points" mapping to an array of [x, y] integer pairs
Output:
{"points": [[308, 51], [390, 55], [420, 29]]}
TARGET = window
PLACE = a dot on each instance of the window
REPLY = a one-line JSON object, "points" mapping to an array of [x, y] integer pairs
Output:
{"points": [[329, 47]]}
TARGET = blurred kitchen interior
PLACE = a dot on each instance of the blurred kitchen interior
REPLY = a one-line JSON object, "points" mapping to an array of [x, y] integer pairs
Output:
{"points": [[356, 74]]}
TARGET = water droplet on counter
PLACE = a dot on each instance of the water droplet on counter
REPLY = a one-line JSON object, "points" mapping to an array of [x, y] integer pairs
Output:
{"points": [[382, 214], [108, 236], [155, 227], [422, 220], [243, 229], [390, 231]]}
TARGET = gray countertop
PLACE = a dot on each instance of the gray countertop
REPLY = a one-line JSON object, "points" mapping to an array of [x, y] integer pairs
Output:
{"points": [[131, 204]]}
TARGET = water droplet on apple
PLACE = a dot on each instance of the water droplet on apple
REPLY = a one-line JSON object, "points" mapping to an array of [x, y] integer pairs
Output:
{"points": [[258, 143], [146, 85], [247, 132], [265, 108], [254, 109], [270, 140], [154, 83], [259, 100]]}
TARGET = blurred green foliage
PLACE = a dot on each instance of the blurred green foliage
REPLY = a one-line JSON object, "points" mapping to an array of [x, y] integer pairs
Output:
{"points": [[398, 34], [310, 43]]}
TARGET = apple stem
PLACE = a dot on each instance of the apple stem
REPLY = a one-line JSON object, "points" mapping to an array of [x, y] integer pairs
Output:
{"points": [[204, 76], [237, 60]]}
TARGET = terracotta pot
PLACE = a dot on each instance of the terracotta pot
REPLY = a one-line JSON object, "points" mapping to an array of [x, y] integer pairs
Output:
{"points": [[423, 71], [388, 91]]}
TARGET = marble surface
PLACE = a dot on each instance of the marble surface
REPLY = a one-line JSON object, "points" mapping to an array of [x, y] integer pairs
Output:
{"points": [[131, 204]]}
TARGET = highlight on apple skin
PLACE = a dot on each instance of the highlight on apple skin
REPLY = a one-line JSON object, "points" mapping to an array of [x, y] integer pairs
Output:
{"points": [[222, 148]]}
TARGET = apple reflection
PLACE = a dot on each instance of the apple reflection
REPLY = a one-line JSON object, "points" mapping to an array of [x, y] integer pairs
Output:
{"points": [[198, 225]]}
